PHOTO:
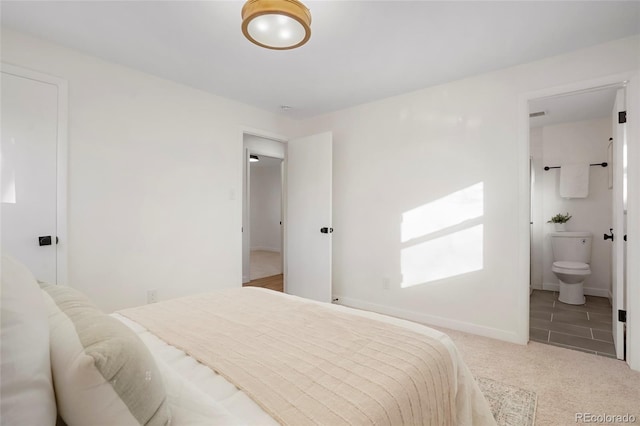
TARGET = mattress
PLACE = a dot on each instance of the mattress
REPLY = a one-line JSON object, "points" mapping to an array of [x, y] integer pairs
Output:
{"points": [[198, 395]]}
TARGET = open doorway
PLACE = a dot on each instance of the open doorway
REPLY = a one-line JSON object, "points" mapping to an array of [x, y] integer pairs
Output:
{"points": [[263, 248], [306, 213], [265, 218], [578, 173]]}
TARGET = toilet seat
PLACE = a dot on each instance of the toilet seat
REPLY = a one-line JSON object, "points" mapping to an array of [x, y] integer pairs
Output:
{"points": [[578, 266], [571, 268]]}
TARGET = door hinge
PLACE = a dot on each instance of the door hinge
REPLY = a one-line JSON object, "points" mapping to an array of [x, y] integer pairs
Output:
{"points": [[622, 315], [622, 117]]}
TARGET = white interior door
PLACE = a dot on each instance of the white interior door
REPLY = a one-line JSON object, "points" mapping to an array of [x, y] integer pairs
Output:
{"points": [[29, 179], [617, 251], [309, 180]]}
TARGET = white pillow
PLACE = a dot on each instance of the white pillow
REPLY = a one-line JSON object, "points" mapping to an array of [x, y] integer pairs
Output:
{"points": [[26, 391], [102, 372]]}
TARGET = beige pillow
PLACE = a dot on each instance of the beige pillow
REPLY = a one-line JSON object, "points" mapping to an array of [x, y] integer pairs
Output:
{"points": [[26, 392], [102, 372]]}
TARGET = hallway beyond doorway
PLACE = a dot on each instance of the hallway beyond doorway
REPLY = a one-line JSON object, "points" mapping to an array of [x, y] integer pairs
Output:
{"points": [[274, 282], [264, 264]]}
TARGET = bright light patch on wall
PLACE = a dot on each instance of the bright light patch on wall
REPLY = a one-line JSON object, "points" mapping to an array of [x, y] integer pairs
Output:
{"points": [[444, 212], [453, 254]]}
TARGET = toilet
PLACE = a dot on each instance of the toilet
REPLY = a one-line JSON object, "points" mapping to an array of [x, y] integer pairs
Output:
{"points": [[571, 257]]}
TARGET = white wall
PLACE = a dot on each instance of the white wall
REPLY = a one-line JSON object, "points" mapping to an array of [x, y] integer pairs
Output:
{"points": [[266, 206], [400, 153], [155, 175], [156, 172], [576, 142]]}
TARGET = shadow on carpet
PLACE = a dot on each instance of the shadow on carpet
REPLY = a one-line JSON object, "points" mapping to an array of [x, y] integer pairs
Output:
{"points": [[510, 405]]}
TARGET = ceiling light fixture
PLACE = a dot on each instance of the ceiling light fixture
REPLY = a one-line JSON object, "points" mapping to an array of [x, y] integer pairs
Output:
{"points": [[276, 24], [253, 158]]}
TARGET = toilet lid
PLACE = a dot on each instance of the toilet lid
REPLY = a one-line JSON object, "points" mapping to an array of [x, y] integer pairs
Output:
{"points": [[571, 265]]}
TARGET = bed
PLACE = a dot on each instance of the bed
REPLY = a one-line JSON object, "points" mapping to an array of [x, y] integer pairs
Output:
{"points": [[251, 356]]}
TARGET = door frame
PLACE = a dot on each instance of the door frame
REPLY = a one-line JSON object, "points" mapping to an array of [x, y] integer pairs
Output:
{"points": [[618, 262], [62, 140], [632, 81], [245, 199]]}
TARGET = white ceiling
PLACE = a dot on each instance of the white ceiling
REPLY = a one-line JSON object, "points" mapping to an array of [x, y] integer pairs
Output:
{"points": [[359, 50], [581, 106]]}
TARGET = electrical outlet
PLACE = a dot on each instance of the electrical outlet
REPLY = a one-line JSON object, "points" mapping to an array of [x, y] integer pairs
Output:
{"points": [[152, 296], [386, 283]]}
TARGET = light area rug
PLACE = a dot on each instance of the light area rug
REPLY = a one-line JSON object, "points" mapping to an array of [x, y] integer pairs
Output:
{"points": [[510, 405], [264, 263]]}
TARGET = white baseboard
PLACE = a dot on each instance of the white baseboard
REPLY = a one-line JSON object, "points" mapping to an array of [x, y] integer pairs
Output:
{"points": [[426, 319], [589, 291], [273, 249]]}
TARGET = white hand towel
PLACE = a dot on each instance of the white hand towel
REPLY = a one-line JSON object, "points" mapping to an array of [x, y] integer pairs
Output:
{"points": [[574, 180]]}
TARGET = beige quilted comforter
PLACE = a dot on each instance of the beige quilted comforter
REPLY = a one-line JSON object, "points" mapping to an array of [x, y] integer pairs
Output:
{"points": [[308, 363]]}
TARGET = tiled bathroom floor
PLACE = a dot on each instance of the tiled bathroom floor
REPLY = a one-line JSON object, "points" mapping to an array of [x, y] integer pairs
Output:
{"points": [[585, 328]]}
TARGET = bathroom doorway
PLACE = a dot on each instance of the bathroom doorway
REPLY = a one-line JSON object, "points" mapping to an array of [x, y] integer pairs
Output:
{"points": [[577, 184]]}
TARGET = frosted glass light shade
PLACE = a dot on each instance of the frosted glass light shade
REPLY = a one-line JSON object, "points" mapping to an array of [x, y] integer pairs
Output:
{"points": [[276, 24]]}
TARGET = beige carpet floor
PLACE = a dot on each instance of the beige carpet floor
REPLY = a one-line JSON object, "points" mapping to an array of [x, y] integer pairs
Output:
{"points": [[264, 264], [566, 381]]}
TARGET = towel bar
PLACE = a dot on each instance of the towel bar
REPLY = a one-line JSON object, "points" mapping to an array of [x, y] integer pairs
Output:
{"points": [[594, 164]]}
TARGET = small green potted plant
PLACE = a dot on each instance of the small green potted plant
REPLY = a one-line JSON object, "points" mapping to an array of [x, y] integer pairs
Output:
{"points": [[559, 221]]}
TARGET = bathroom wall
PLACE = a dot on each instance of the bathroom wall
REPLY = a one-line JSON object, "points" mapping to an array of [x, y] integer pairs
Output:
{"points": [[575, 142]]}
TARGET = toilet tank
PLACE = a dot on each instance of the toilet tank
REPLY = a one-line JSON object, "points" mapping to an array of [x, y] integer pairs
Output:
{"points": [[571, 246]]}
